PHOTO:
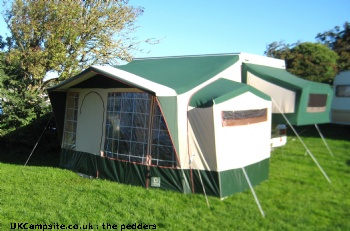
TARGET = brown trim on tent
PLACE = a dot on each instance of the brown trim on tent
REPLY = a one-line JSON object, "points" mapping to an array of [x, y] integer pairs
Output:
{"points": [[243, 117]]}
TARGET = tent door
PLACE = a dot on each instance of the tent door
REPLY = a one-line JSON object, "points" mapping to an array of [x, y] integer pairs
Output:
{"points": [[90, 124]]}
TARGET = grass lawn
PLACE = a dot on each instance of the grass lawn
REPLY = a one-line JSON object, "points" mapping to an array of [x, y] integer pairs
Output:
{"points": [[296, 197]]}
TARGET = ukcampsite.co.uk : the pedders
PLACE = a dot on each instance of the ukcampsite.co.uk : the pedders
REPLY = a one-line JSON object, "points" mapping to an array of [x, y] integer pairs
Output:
{"points": [[57, 226]]}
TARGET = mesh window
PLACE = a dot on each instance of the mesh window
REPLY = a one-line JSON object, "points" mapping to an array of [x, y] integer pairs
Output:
{"points": [[127, 130], [70, 126], [244, 117], [342, 91], [317, 103]]}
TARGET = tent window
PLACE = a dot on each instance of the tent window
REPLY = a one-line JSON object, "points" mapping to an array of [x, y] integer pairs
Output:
{"points": [[244, 117], [70, 127], [317, 103], [163, 153], [342, 91], [127, 130]]}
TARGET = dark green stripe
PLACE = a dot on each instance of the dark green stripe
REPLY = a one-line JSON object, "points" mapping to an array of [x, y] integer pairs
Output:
{"points": [[232, 181]]}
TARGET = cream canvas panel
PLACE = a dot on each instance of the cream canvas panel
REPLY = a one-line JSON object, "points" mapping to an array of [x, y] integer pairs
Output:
{"points": [[284, 98], [201, 139], [239, 146], [232, 73], [91, 121], [182, 120], [262, 60]]}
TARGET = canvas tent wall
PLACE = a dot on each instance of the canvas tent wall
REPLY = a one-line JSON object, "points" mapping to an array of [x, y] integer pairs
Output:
{"points": [[302, 102], [237, 136], [341, 100], [138, 116]]}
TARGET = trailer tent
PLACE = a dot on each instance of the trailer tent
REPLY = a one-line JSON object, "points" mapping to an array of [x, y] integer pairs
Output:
{"points": [[172, 123], [302, 102]]}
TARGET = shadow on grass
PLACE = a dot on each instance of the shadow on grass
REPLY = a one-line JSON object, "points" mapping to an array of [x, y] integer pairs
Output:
{"points": [[16, 146], [329, 131]]}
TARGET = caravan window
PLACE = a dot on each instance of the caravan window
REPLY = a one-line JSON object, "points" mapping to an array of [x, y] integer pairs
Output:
{"points": [[70, 126], [317, 103], [127, 130], [342, 91], [243, 117]]}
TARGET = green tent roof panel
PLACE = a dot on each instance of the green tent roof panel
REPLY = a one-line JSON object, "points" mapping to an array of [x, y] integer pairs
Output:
{"points": [[220, 91], [180, 73]]}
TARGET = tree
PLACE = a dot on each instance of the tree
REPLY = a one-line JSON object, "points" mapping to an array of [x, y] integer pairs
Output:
{"points": [[338, 40], [19, 107], [62, 37], [2, 43], [278, 50], [311, 61], [67, 36]]}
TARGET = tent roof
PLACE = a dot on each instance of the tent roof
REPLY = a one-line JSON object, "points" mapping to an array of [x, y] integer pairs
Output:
{"points": [[180, 73], [220, 91], [163, 76], [108, 72], [282, 77]]}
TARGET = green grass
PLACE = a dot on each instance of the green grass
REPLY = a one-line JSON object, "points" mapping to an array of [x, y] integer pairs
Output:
{"points": [[296, 196]]}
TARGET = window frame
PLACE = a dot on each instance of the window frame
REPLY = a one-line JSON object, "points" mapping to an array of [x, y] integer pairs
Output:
{"points": [[71, 120], [317, 103], [347, 92], [243, 117], [152, 116]]}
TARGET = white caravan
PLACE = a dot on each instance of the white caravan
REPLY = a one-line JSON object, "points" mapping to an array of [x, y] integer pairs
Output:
{"points": [[341, 101]]}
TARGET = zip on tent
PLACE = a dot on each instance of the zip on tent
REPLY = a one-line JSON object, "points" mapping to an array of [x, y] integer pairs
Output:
{"points": [[307, 149]]}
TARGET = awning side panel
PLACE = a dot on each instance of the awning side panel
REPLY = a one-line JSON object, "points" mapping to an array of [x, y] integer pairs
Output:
{"points": [[168, 107], [58, 103], [284, 99], [290, 88], [201, 139]]}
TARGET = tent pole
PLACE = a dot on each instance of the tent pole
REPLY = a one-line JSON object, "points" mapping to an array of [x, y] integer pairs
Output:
{"points": [[149, 142], [324, 140], [307, 150], [38, 140], [206, 197], [200, 178], [252, 189]]}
